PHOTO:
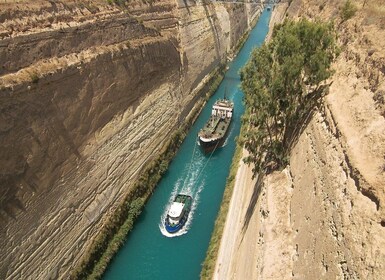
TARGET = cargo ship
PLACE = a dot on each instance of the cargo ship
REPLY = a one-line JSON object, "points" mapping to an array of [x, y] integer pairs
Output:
{"points": [[213, 134]]}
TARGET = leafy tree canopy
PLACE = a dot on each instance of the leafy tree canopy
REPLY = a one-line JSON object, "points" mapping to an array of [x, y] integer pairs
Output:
{"points": [[283, 82]]}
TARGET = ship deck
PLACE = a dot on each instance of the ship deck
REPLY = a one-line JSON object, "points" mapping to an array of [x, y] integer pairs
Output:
{"points": [[215, 126]]}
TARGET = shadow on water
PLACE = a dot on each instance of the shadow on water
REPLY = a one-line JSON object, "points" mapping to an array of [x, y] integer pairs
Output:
{"points": [[142, 216], [232, 79]]}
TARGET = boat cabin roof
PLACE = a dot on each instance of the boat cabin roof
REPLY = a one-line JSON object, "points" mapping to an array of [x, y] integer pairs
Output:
{"points": [[222, 108], [224, 103], [176, 209]]}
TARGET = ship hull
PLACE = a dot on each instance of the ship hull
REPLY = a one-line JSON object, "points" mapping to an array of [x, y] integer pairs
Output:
{"points": [[174, 229], [209, 145], [214, 132]]}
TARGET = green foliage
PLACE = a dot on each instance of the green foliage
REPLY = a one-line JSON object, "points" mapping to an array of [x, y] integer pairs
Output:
{"points": [[214, 85], [117, 2], [208, 266], [283, 81], [348, 10], [34, 77], [115, 230]]}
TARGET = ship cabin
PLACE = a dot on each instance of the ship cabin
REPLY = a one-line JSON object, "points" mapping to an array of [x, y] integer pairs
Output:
{"points": [[222, 109], [176, 212]]}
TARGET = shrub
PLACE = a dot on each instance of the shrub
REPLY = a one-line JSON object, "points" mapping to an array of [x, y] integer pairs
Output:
{"points": [[113, 234], [117, 2], [348, 10], [34, 77]]}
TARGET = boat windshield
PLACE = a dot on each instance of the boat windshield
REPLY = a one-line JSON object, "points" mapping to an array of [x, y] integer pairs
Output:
{"points": [[173, 221]]}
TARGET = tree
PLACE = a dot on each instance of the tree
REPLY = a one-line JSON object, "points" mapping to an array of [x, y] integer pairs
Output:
{"points": [[283, 82]]}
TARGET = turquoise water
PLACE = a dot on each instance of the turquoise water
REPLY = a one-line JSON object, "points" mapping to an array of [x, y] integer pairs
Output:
{"points": [[149, 252]]}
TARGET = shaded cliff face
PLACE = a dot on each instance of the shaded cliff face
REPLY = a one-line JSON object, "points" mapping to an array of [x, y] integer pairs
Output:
{"points": [[325, 213], [89, 92], [54, 105]]}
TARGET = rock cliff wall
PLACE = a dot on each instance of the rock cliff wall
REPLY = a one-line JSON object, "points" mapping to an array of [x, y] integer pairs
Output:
{"points": [[88, 94], [323, 217]]}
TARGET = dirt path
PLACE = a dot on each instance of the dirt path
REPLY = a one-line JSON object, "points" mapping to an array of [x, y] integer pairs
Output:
{"points": [[322, 217], [238, 256], [236, 252]]}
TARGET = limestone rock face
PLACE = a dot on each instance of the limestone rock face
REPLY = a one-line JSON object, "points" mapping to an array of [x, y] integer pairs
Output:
{"points": [[331, 220], [89, 92]]}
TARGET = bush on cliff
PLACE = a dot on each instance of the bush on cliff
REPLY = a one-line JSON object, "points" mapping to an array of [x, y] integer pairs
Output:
{"points": [[348, 10], [283, 82]]}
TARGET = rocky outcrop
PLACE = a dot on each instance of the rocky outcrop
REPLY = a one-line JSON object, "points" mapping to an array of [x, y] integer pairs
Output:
{"points": [[89, 92], [323, 217]]}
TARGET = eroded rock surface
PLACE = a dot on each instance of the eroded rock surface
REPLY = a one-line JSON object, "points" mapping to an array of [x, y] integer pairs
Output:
{"points": [[328, 208], [89, 92], [322, 217]]}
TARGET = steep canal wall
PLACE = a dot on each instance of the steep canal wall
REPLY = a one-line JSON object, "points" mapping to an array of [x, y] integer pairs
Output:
{"points": [[323, 216], [330, 200], [150, 252], [89, 93]]}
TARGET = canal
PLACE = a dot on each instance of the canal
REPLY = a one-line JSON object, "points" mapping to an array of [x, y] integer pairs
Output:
{"points": [[149, 252]]}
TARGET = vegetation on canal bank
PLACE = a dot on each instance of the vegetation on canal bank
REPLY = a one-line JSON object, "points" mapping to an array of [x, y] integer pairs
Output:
{"points": [[114, 232], [243, 38], [283, 82], [208, 265]]}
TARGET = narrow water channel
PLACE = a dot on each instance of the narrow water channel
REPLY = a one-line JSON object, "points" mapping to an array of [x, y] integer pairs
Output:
{"points": [[149, 253]]}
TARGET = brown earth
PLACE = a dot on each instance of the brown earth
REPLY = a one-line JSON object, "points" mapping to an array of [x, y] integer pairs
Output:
{"points": [[89, 93], [323, 216]]}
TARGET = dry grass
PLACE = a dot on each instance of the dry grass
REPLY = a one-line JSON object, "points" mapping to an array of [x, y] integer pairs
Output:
{"points": [[373, 12]]}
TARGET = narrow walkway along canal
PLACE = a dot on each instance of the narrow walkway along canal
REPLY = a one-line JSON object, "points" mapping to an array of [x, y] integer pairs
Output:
{"points": [[148, 252]]}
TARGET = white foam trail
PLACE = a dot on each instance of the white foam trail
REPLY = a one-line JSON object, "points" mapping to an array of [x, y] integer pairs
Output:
{"points": [[187, 185], [228, 135], [190, 189]]}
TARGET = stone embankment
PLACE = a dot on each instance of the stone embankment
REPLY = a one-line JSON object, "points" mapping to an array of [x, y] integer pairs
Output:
{"points": [[89, 92], [323, 217]]}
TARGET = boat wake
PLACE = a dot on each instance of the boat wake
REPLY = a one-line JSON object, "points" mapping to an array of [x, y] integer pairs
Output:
{"points": [[184, 186], [228, 136]]}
